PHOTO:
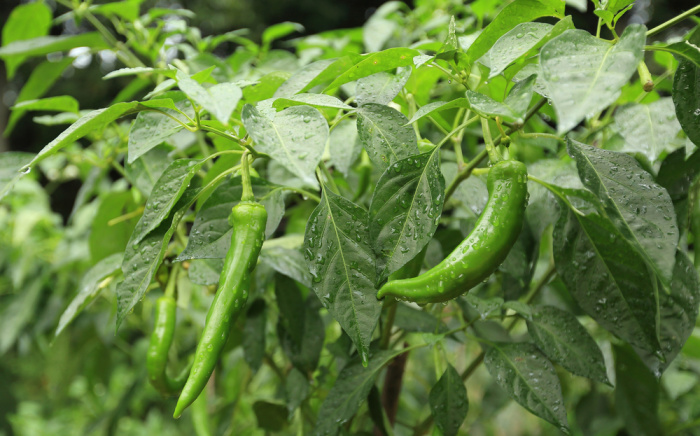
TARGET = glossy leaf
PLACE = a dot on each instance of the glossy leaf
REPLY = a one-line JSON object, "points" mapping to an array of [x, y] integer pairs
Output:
{"points": [[439, 106], [296, 138], [44, 45], [529, 378], [349, 391], [315, 100], [584, 74], [287, 261], [606, 276], [381, 88], [640, 208], [142, 259], [405, 210], [519, 11], [26, 21], [10, 164], [145, 171], [63, 103], [564, 340], [302, 78], [152, 128], [417, 320], [514, 44], [448, 402], [337, 249], [686, 95], [385, 135], [649, 129], [254, 334], [512, 109], [219, 100], [683, 50], [210, 236], [344, 145], [376, 62], [484, 306], [166, 192]]}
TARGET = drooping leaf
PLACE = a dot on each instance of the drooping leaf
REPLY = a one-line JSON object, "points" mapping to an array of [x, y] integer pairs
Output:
{"points": [[649, 129], [529, 378], [448, 402], [640, 208], [296, 138], [342, 263], [385, 135], [584, 74], [89, 288], [686, 95], [287, 261], [564, 340], [349, 391], [405, 210]]}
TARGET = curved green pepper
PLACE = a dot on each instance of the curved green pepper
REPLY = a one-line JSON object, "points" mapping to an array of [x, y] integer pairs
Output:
{"points": [[159, 346], [478, 256], [248, 219]]}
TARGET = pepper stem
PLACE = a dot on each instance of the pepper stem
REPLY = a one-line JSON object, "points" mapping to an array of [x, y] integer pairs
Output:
{"points": [[247, 194], [494, 155], [172, 281]]}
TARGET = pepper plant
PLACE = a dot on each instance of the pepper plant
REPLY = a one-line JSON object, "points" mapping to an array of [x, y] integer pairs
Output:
{"points": [[367, 152]]}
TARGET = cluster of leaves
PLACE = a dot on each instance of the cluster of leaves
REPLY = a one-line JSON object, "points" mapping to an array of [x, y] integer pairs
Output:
{"points": [[364, 163]]}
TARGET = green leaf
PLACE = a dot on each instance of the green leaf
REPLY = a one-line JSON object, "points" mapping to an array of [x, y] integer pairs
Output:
{"points": [[300, 328], [636, 394], [219, 100], [64, 103], [677, 173], [128, 9], [44, 45], [439, 106], [376, 62], [448, 402], [606, 276], [205, 271], [296, 138], [349, 391], [19, 313], [344, 145], [640, 208], [513, 108], [141, 260], [649, 129], [564, 340], [385, 134], [152, 128], [25, 22], [683, 50], [297, 390], [485, 306], [280, 30], [10, 164], [89, 288], [519, 11], [405, 210], [417, 320], [381, 88], [530, 379], [678, 312], [254, 334], [332, 71], [514, 44], [145, 171], [122, 72], [298, 81], [170, 186], [39, 82], [95, 120], [210, 236], [315, 100], [686, 95], [584, 74], [341, 261], [271, 417]]}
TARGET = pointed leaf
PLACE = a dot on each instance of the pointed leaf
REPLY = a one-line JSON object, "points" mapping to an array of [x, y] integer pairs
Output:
{"points": [[381, 88], [529, 378], [584, 74], [640, 208], [405, 210], [649, 129], [301, 78], [439, 105], [376, 62], [336, 247], [686, 95], [385, 135], [514, 44], [26, 21], [296, 138], [10, 164], [514, 107], [448, 402], [315, 100], [344, 145], [44, 45], [564, 340]]}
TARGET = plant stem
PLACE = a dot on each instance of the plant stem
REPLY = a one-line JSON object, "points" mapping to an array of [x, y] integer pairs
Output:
{"points": [[389, 323], [674, 20], [329, 178], [247, 194]]}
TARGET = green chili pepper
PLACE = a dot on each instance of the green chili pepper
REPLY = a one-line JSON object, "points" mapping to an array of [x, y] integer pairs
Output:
{"points": [[248, 219], [478, 256], [161, 339]]}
